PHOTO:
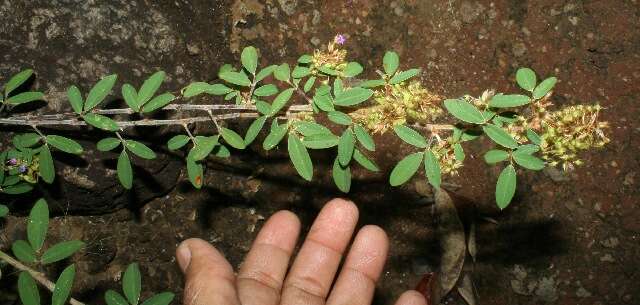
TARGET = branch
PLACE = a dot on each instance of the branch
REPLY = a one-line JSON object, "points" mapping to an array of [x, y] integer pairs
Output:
{"points": [[38, 276]]}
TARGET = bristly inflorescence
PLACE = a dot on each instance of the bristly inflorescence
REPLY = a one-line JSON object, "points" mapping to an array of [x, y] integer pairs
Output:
{"points": [[287, 101]]}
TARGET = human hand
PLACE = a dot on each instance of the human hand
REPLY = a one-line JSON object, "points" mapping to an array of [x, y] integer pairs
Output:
{"points": [[264, 277]]}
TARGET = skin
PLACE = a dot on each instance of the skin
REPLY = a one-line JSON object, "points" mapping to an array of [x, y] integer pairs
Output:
{"points": [[265, 278]]}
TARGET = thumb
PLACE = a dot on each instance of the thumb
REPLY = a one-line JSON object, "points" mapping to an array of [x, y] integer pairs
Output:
{"points": [[209, 279]]}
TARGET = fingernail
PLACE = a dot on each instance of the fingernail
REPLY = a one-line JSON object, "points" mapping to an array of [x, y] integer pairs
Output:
{"points": [[183, 255]]}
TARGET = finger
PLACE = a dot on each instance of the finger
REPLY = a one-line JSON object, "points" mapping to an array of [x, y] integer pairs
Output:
{"points": [[411, 297], [362, 268], [209, 277], [315, 267], [263, 271]]}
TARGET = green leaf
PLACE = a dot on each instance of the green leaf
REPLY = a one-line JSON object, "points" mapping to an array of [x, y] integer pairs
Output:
{"points": [[177, 142], [263, 107], [337, 86], [38, 224], [225, 68], [403, 76], [311, 128], [300, 157], [511, 100], [364, 161], [64, 144], [432, 169], [195, 172], [164, 298], [282, 72], [526, 79], [17, 80], [140, 150], [125, 173], [364, 137], [506, 186], [75, 99], [544, 87], [130, 97], [458, 151], [232, 138], [4, 210], [341, 176], [23, 251], [236, 78], [410, 136], [495, 155], [305, 59], [158, 102], [203, 147], [528, 161], [61, 251], [300, 72], [63, 286], [19, 188], [281, 100], [26, 139], [132, 283], [198, 88], [113, 298], [266, 90], [100, 91], [264, 73], [500, 136], [249, 59], [405, 169], [254, 130], [324, 69], [339, 118], [108, 144], [528, 149], [353, 96], [323, 102], [533, 137], [100, 121], [25, 97], [346, 146], [372, 83], [47, 169], [352, 69], [464, 111], [28, 289], [320, 141], [221, 151], [309, 84], [276, 135], [390, 62], [150, 86]]}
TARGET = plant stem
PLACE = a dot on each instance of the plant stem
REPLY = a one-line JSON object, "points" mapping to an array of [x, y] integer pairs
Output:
{"points": [[38, 276]]}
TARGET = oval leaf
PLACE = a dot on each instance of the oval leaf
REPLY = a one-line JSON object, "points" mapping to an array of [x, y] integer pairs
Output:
{"points": [[100, 121], [125, 173], [405, 169], [266, 90], [140, 150], [28, 289], [254, 130], [320, 141], [236, 78], [62, 289], [300, 157], [61, 251], [108, 144], [339, 118], [410, 136], [464, 111], [495, 155], [177, 142], [64, 144], [132, 283], [432, 169], [130, 97], [364, 161], [232, 138], [249, 59], [352, 69], [341, 176], [75, 99], [276, 135], [100, 91], [353, 96], [346, 145], [506, 186], [150, 86], [47, 170], [38, 224], [23, 251], [526, 79], [113, 298], [203, 147], [403, 76], [195, 172], [390, 62], [281, 100], [364, 138], [17, 80], [158, 102], [528, 161], [511, 100], [544, 87], [25, 97], [282, 72], [500, 136]]}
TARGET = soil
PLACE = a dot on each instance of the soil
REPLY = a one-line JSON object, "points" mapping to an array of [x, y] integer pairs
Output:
{"points": [[566, 239]]}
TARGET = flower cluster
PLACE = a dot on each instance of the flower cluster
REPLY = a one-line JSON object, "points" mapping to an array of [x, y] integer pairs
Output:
{"points": [[449, 163], [568, 131], [334, 57], [399, 104], [26, 170]]}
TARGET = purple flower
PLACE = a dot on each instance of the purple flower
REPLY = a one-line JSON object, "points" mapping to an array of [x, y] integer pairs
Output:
{"points": [[12, 161], [340, 39], [22, 168]]}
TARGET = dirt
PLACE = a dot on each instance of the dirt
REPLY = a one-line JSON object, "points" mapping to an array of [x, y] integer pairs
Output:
{"points": [[566, 239]]}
